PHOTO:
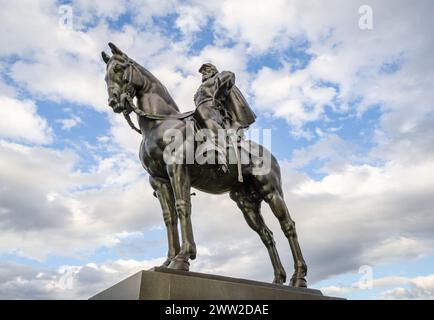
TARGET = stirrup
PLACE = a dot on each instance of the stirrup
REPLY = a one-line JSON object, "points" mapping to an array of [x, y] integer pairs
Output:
{"points": [[223, 167]]}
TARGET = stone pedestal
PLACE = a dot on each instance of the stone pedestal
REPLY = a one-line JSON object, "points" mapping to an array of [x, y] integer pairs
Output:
{"points": [[167, 284]]}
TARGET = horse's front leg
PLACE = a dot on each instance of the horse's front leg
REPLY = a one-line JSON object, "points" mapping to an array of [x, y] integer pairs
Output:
{"points": [[163, 191], [180, 182]]}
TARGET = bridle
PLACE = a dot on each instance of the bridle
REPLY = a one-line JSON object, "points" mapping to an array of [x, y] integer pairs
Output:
{"points": [[130, 92]]}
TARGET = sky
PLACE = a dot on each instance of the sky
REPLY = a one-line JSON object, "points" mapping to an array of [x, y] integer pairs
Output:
{"points": [[344, 86]]}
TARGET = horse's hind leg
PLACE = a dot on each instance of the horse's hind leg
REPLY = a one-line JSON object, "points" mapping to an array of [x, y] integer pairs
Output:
{"points": [[251, 209], [163, 191], [278, 206]]}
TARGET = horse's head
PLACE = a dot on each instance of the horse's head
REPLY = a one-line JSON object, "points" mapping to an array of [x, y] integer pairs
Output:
{"points": [[121, 76]]}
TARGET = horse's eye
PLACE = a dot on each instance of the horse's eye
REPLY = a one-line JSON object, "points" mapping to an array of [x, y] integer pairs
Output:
{"points": [[117, 68]]}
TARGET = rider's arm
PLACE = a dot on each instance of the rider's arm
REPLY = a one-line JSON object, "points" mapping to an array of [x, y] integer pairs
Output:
{"points": [[224, 82]]}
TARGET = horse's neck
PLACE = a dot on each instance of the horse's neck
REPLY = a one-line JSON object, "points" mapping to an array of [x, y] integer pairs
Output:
{"points": [[154, 97], [154, 103], [148, 103]]}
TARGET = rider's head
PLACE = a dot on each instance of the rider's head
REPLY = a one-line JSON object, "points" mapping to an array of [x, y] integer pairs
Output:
{"points": [[207, 70]]}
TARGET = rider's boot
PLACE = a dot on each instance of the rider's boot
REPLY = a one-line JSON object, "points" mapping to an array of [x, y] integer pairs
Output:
{"points": [[221, 155]]}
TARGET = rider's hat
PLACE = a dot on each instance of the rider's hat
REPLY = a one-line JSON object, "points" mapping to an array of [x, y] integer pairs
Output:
{"points": [[207, 65]]}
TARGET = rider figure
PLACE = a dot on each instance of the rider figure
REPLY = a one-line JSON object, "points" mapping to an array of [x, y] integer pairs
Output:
{"points": [[209, 100], [208, 107], [220, 105]]}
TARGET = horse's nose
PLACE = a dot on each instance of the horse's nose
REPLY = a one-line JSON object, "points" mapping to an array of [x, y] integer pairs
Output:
{"points": [[112, 102], [115, 95]]}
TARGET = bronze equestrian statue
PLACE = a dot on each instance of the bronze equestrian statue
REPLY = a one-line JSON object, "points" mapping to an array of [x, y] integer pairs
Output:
{"points": [[157, 113]]}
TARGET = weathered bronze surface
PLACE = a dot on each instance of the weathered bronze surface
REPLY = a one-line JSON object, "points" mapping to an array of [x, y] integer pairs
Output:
{"points": [[156, 113]]}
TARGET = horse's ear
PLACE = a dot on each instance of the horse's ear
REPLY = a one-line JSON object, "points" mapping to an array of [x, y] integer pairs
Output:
{"points": [[105, 57], [115, 50]]}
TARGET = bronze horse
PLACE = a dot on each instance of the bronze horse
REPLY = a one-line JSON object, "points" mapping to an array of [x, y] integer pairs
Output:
{"points": [[172, 182]]}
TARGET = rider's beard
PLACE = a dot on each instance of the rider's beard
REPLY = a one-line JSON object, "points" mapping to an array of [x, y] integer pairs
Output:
{"points": [[207, 75]]}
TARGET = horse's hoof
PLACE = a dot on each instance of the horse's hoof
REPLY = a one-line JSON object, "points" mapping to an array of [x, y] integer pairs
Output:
{"points": [[179, 264], [298, 282], [279, 279], [166, 263]]}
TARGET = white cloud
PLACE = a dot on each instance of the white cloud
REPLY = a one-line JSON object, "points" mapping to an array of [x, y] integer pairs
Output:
{"points": [[295, 97], [191, 19], [111, 9], [338, 291], [19, 120], [260, 25], [67, 282], [365, 180], [53, 62], [71, 212], [363, 215], [353, 59], [18, 19], [123, 135], [69, 123], [144, 10], [69, 79], [66, 62], [5, 88], [421, 287], [334, 40], [330, 148]]}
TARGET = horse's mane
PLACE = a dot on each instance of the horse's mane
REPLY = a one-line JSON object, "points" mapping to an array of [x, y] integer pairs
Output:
{"points": [[154, 80]]}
